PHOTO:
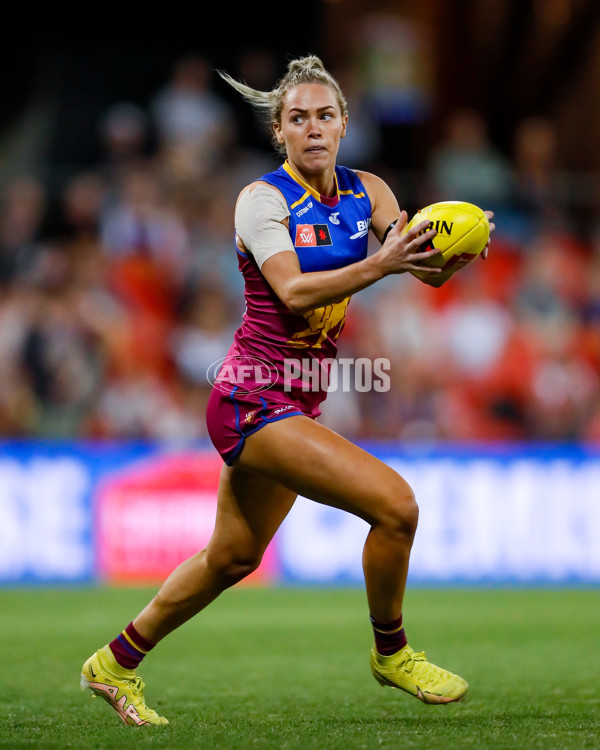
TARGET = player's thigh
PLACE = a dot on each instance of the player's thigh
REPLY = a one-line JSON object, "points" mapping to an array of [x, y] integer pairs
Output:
{"points": [[316, 462], [251, 506]]}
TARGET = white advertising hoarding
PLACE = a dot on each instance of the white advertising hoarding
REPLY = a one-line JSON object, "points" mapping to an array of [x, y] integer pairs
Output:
{"points": [[481, 520]]}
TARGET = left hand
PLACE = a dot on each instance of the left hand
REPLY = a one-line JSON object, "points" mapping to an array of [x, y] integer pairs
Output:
{"points": [[437, 281]]}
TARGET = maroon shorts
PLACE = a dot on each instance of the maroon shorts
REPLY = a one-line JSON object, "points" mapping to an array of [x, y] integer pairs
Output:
{"points": [[230, 418]]}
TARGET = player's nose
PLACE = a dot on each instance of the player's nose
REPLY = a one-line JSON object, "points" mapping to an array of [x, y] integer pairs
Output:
{"points": [[315, 127]]}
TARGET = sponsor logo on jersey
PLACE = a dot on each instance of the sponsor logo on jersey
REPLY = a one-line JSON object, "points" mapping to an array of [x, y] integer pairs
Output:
{"points": [[306, 208], [312, 235], [363, 228], [334, 218]]}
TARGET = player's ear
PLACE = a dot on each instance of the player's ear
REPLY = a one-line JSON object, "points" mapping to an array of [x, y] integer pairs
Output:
{"points": [[276, 128], [344, 124]]}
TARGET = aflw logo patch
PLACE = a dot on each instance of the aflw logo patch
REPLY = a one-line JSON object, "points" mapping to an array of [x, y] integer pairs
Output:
{"points": [[311, 235]]}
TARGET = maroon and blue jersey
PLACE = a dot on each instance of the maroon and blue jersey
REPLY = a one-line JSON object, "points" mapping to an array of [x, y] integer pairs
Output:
{"points": [[327, 233]]}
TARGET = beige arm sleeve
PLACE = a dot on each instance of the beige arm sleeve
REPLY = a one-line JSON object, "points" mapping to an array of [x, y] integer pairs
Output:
{"points": [[259, 214]]}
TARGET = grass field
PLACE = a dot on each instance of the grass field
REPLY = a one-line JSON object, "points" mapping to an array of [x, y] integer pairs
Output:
{"points": [[288, 669]]}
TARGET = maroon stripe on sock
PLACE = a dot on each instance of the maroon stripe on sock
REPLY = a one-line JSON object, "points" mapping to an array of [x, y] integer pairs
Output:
{"points": [[389, 625], [389, 636], [124, 653], [138, 639], [129, 656]]}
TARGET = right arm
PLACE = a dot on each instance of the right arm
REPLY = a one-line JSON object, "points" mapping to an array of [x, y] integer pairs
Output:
{"points": [[301, 292]]}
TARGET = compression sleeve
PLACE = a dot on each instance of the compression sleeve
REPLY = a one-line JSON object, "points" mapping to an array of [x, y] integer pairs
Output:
{"points": [[258, 216]]}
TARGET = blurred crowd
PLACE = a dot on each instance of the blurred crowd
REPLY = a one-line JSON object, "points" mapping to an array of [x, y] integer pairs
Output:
{"points": [[121, 288]]}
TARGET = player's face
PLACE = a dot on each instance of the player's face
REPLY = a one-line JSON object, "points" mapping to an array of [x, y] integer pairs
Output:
{"points": [[311, 127]]}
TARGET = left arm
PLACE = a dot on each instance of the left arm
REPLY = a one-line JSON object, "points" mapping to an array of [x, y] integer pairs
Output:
{"points": [[384, 206], [385, 211]]}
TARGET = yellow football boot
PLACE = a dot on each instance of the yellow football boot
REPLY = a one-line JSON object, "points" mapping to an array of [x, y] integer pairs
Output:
{"points": [[412, 672], [119, 687]]}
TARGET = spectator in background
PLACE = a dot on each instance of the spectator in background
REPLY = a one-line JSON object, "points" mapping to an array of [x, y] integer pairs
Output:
{"points": [[553, 279], [539, 193], [142, 223], [82, 202], [61, 363], [361, 147], [147, 245], [18, 405], [465, 166], [202, 335], [23, 208], [258, 68], [474, 327], [549, 301], [403, 328], [394, 52], [212, 261], [124, 133], [194, 125], [136, 404]]}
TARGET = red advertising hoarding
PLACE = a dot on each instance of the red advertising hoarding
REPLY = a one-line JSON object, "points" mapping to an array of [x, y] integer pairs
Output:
{"points": [[157, 513]]}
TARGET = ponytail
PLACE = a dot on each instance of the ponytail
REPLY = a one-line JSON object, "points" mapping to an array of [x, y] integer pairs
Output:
{"points": [[269, 104]]}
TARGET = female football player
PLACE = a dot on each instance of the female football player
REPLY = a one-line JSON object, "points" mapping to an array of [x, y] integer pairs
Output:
{"points": [[301, 234]]}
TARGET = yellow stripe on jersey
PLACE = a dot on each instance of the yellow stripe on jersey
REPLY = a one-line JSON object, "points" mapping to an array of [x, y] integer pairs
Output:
{"points": [[301, 200], [312, 191], [306, 186]]}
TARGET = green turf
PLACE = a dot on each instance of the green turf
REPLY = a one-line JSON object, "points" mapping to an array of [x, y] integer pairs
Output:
{"points": [[288, 669]]}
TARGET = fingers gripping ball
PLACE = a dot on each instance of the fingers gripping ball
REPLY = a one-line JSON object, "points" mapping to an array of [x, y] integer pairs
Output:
{"points": [[463, 231]]}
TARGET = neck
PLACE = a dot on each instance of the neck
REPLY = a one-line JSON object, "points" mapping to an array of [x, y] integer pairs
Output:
{"points": [[323, 183]]}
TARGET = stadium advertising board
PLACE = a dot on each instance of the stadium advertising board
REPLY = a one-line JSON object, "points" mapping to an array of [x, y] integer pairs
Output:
{"points": [[151, 516], [45, 529], [128, 514], [509, 516]]}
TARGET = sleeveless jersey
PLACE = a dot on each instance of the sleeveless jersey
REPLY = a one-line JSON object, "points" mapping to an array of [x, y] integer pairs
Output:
{"points": [[282, 353]]}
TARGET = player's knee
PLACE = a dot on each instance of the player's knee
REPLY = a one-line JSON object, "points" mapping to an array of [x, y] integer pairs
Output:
{"points": [[238, 569], [400, 512], [231, 567]]}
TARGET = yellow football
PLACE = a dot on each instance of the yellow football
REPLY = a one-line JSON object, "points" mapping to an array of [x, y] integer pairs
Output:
{"points": [[463, 231]]}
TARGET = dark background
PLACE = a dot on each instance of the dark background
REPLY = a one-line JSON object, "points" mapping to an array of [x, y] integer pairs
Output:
{"points": [[93, 57], [509, 58]]}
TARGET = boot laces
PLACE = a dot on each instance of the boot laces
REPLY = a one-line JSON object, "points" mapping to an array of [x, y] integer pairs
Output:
{"points": [[138, 687], [417, 663]]}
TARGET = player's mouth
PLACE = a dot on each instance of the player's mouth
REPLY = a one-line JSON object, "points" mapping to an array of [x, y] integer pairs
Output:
{"points": [[315, 149]]}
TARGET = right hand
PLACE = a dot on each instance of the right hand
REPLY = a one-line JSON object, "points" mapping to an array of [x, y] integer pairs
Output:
{"points": [[403, 252]]}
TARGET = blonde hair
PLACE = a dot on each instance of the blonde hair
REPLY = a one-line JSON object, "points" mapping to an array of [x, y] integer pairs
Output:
{"points": [[269, 104]]}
